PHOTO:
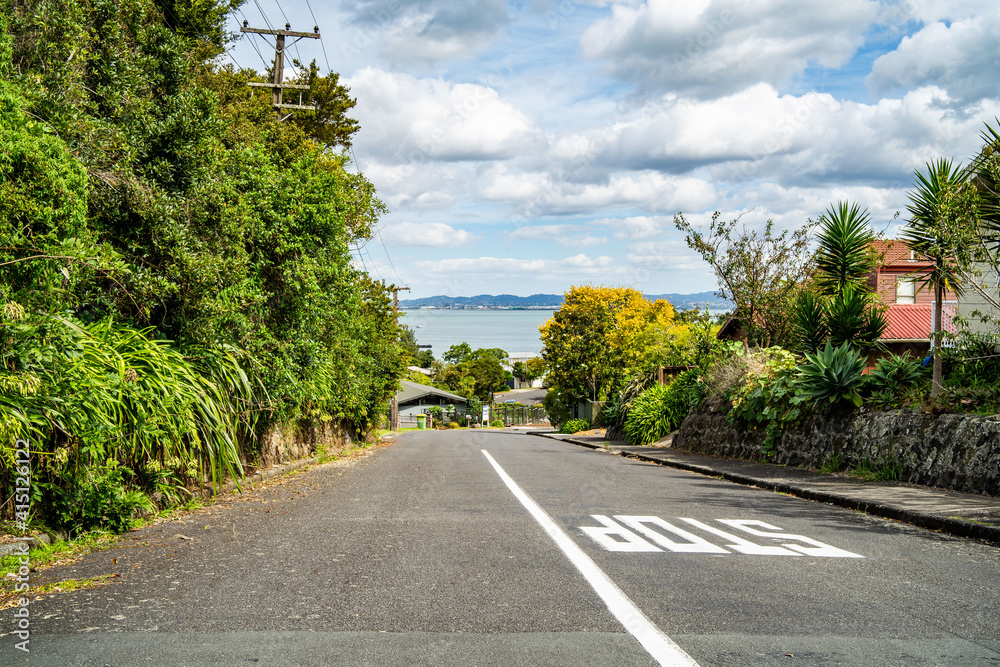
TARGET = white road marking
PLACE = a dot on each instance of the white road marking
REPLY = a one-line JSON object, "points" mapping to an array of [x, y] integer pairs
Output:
{"points": [[818, 549], [694, 544], [605, 536], [741, 545], [661, 647]]}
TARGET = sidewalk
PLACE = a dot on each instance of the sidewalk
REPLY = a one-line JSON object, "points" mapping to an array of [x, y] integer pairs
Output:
{"points": [[961, 514]]}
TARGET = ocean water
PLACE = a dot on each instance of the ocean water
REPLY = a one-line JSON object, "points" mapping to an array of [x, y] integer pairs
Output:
{"points": [[515, 331]]}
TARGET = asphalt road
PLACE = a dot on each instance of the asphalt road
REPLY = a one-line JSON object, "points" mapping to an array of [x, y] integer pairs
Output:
{"points": [[427, 553]]}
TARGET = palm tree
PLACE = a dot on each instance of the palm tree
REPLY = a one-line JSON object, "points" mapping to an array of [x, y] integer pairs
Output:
{"points": [[844, 256], [932, 210], [843, 308]]}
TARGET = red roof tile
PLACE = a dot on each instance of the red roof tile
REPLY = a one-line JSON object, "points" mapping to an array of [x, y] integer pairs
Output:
{"points": [[908, 322]]}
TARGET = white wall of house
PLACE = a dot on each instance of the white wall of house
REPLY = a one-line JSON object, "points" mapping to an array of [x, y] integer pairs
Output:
{"points": [[972, 301]]}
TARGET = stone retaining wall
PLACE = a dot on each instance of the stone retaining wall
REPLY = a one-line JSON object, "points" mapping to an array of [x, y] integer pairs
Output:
{"points": [[958, 452], [289, 442]]}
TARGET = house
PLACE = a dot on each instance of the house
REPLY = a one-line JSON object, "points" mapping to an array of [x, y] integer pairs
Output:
{"points": [[910, 313], [414, 399], [972, 305]]}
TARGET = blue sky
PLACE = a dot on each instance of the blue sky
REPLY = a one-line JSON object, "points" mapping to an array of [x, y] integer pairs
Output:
{"points": [[525, 147]]}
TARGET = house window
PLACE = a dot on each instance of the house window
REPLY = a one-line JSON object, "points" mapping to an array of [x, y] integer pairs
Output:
{"points": [[906, 291]]}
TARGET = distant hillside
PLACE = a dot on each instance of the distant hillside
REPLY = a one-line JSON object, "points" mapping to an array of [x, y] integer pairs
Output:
{"points": [[680, 301]]}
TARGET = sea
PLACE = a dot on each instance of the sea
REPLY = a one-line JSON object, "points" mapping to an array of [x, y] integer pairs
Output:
{"points": [[514, 331]]}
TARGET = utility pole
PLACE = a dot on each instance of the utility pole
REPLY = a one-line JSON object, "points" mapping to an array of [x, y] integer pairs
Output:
{"points": [[278, 86]]}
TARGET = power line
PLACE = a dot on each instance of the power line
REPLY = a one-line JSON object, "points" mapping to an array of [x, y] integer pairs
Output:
{"points": [[262, 15], [321, 42], [253, 42]]}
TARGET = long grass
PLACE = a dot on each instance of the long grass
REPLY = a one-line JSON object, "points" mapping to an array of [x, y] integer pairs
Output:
{"points": [[115, 392]]}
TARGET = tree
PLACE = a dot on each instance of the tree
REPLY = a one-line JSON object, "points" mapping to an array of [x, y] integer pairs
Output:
{"points": [[843, 309], [760, 272], [456, 354], [595, 340], [329, 124], [942, 203]]}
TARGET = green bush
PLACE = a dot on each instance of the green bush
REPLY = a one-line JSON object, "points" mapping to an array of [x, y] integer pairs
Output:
{"points": [[497, 423], [895, 373], [661, 408], [575, 426], [768, 395], [98, 498], [555, 408], [832, 374]]}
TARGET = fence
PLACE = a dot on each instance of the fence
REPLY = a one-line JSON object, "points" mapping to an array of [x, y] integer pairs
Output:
{"points": [[948, 311], [515, 414]]}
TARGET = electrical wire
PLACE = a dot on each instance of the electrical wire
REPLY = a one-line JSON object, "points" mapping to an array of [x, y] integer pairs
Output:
{"points": [[260, 9], [321, 43], [252, 41]]}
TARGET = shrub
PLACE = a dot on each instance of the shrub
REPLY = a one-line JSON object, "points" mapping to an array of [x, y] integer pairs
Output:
{"points": [[497, 423], [832, 374], [661, 408], [895, 374], [454, 425], [648, 420], [555, 408], [768, 395], [98, 499], [575, 426]]}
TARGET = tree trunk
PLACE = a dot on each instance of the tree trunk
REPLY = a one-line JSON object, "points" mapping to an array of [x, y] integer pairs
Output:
{"points": [[938, 319]]}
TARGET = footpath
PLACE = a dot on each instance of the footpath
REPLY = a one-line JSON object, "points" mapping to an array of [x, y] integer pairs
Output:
{"points": [[961, 514]]}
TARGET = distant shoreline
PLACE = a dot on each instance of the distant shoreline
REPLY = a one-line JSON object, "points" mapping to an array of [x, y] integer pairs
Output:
{"points": [[548, 302]]}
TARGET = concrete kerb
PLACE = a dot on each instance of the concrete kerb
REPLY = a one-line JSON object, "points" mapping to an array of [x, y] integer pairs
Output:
{"points": [[957, 527]]}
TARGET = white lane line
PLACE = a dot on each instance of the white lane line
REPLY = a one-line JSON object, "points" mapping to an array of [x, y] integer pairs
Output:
{"points": [[660, 646]]}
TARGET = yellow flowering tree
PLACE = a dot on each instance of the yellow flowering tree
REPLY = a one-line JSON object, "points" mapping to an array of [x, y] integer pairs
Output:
{"points": [[597, 339]]}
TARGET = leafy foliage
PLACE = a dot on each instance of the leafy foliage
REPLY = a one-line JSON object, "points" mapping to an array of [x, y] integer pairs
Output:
{"points": [[574, 426], [661, 408], [768, 395], [832, 374], [760, 271], [843, 308], [596, 340], [895, 374], [176, 273], [944, 209]]}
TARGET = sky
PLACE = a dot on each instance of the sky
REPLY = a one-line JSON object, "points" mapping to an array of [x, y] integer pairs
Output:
{"points": [[525, 147]]}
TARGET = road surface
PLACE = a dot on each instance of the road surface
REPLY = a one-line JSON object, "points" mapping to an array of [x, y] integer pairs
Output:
{"points": [[498, 548]]}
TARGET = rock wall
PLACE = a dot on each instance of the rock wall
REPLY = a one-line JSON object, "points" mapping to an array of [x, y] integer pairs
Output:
{"points": [[288, 442], [958, 452]]}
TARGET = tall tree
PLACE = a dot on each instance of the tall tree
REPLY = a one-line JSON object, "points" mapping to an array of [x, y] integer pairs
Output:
{"points": [[760, 271], [596, 340], [942, 201], [843, 308]]}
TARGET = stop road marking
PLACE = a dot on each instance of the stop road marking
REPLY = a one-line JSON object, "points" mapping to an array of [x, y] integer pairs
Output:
{"points": [[651, 533]]}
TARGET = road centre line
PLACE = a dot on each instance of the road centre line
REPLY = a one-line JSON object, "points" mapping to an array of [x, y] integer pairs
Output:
{"points": [[661, 647]]}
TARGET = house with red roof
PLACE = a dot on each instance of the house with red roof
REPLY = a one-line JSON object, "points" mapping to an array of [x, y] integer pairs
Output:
{"points": [[897, 281]]}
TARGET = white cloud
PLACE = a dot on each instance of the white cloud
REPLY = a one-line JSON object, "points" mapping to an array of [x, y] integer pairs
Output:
{"points": [[568, 236], [427, 31], [428, 234], [713, 47], [672, 256], [494, 266], [636, 227], [758, 133], [533, 194], [411, 120], [962, 57]]}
